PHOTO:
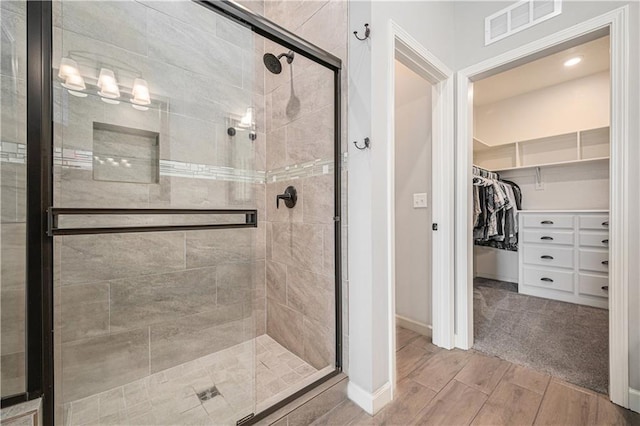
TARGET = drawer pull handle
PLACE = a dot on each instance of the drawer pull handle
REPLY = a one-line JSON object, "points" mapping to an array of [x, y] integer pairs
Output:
{"points": [[605, 223], [605, 288], [547, 257], [546, 222], [549, 280], [546, 238], [605, 262], [605, 241]]}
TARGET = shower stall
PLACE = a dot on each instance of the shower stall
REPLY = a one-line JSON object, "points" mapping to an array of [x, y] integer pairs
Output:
{"points": [[188, 213]]}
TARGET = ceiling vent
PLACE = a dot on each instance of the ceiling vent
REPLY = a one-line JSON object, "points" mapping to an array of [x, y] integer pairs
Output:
{"points": [[518, 17]]}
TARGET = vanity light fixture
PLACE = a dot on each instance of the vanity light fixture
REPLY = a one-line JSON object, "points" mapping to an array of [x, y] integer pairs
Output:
{"points": [[573, 61]]}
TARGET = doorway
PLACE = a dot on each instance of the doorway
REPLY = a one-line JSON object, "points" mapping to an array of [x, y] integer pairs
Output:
{"points": [[413, 214], [540, 252], [613, 24], [419, 131]]}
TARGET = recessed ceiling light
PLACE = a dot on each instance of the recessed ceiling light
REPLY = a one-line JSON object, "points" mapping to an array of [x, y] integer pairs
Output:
{"points": [[573, 61]]}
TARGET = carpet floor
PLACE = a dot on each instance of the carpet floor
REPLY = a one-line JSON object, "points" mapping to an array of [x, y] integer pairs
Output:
{"points": [[565, 340]]}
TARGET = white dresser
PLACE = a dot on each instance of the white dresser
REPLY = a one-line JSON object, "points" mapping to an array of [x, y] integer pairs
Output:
{"points": [[564, 255]]}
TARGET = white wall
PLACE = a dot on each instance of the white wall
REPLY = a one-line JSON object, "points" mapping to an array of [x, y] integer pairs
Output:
{"points": [[582, 186], [563, 108], [431, 23], [412, 175], [453, 31], [470, 49], [489, 262]]}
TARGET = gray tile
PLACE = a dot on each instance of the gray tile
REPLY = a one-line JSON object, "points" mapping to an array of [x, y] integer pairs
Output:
{"points": [[12, 373], [309, 293], [87, 258], [311, 137], [13, 319], [235, 282], [285, 325], [83, 18], [277, 281], [319, 343], [277, 147], [319, 203], [191, 337], [84, 311], [13, 190], [13, 262], [78, 189], [180, 44], [14, 21], [14, 112], [307, 247], [100, 363], [218, 247], [141, 301]]}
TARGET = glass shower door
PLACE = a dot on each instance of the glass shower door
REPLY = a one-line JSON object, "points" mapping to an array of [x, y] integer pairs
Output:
{"points": [[159, 257]]}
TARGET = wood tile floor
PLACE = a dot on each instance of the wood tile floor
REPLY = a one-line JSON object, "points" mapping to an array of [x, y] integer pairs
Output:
{"points": [[440, 387]]}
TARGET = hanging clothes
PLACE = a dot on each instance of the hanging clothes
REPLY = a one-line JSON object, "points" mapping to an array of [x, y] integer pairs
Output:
{"points": [[495, 210]]}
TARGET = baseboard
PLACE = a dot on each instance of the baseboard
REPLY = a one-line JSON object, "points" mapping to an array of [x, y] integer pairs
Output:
{"points": [[634, 400], [497, 277], [412, 325], [369, 402]]}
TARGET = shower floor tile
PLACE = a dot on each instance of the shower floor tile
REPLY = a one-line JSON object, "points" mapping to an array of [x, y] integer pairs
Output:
{"points": [[255, 372]]}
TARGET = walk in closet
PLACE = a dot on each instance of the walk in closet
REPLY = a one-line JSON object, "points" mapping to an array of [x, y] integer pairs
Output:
{"points": [[541, 213]]}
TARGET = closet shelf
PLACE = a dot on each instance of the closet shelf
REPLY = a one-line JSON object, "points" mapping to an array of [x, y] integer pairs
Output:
{"points": [[570, 148], [587, 160]]}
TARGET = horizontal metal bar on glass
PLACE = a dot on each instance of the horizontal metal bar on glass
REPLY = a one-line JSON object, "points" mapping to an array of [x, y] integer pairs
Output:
{"points": [[249, 220]]}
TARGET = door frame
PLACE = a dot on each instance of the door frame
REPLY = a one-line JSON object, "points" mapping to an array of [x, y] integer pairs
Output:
{"points": [[413, 54], [616, 24]]}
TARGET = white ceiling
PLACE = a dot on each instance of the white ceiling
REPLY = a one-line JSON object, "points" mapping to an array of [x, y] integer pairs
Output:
{"points": [[544, 72]]}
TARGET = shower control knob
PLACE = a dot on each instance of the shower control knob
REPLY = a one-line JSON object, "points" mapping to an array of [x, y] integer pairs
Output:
{"points": [[290, 197]]}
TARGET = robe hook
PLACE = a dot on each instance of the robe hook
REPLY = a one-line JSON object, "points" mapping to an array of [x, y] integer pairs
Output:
{"points": [[367, 31], [367, 144]]}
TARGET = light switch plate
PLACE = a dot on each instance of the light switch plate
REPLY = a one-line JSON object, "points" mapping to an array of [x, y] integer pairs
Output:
{"points": [[420, 200]]}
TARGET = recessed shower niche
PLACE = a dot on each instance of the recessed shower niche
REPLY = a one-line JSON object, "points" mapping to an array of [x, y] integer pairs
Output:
{"points": [[125, 154]]}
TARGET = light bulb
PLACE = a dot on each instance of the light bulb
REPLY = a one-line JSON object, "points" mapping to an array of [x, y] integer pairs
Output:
{"points": [[108, 84], [247, 119], [67, 67], [106, 76], [140, 92], [74, 82], [573, 61]]}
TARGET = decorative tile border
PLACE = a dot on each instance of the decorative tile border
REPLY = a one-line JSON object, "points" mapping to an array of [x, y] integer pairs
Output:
{"points": [[16, 153]]}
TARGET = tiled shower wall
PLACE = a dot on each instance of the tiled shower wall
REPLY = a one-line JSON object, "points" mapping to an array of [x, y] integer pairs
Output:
{"points": [[300, 241], [13, 196], [129, 305]]}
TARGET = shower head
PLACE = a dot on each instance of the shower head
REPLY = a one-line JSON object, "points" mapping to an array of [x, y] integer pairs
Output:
{"points": [[272, 62]]}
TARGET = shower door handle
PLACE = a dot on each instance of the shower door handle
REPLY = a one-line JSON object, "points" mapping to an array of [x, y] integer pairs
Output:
{"points": [[290, 197]]}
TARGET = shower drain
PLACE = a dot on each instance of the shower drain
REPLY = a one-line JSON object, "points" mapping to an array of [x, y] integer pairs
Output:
{"points": [[209, 393]]}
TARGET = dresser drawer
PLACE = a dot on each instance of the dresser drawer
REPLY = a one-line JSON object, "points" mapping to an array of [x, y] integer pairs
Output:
{"points": [[548, 256], [594, 222], [594, 239], [594, 260], [593, 285], [545, 278], [544, 236], [548, 221]]}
